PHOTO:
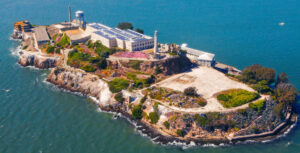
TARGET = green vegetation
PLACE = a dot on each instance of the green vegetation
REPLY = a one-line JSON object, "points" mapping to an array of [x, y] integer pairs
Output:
{"points": [[65, 40], [282, 78], [140, 83], [255, 73], [25, 47], [154, 117], [137, 112], [143, 99], [190, 91], [118, 84], [167, 124], [262, 87], [57, 50], [201, 120], [88, 68], [285, 93], [157, 70], [119, 97], [50, 49], [258, 105], [180, 132], [125, 25], [139, 30], [173, 54], [135, 64], [236, 97]]}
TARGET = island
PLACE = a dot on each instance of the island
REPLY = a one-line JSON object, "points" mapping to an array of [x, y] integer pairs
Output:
{"points": [[172, 93]]}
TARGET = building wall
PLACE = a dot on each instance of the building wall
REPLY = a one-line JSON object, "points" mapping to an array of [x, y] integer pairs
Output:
{"points": [[106, 42]]}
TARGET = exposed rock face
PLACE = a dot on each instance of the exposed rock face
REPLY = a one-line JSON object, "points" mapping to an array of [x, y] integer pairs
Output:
{"points": [[79, 81], [38, 60], [167, 66]]}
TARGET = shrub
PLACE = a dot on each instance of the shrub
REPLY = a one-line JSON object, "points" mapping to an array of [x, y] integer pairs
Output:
{"points": [[88, 68], [167, 124], [102, 63], [125, 25], [180, 132], [118, 84], [236, 97], [57, 50], [119, 97], [191, 91], [154, 117], [143, 99], [201, 120], [137, 112], [258, 105], [262, 87], [50, 49], [65, 40], [157, 70]]}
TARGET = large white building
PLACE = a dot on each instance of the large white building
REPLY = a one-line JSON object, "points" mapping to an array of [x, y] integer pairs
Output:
{"points": [[200, 57], [114, 37]]}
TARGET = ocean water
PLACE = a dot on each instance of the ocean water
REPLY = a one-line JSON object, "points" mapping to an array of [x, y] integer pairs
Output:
{"points": [[36, 117]]}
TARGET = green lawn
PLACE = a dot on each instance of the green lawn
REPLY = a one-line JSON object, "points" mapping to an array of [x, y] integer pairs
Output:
{"points": [[236, 97]]}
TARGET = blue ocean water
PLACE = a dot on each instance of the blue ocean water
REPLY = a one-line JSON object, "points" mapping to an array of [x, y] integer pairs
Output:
{"points": [[37, 117]]}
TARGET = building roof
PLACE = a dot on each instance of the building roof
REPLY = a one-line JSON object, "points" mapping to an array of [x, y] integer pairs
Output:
{"points": [[41, 33], [201, 54], [108, 32]]}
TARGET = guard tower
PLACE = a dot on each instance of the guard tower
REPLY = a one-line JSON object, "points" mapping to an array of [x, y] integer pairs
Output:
{"points": [[80, 19]]}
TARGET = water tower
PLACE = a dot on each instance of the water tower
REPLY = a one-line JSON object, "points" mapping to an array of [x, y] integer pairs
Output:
{"points": [[80, 19]]}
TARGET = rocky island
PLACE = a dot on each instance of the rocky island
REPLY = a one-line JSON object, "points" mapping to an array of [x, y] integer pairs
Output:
{"points": [[172, 93]]}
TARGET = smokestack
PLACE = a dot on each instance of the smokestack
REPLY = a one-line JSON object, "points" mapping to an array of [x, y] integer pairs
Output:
{"points": [[70, 19]]}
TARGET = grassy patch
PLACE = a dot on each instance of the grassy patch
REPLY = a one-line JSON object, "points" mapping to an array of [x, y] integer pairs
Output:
{"points": [[236, 97], [258, 105], [118, 84]]}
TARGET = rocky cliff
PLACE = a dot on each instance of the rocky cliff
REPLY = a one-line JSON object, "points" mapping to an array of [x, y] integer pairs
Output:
{"points": [[38, 60], [79, 81], [168, 66]]}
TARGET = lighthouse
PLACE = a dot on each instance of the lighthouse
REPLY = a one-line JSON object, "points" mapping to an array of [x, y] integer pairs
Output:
{"points": [[155, 42]]}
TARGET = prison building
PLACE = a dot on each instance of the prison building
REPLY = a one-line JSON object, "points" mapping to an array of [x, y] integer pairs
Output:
{"points": [[124, 39]]}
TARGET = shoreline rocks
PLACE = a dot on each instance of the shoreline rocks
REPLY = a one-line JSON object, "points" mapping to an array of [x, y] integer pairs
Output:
{"points": [[38, 60]]}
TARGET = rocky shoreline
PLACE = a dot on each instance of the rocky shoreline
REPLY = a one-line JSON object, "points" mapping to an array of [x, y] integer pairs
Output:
{"points": [[151, 132], [76, 80]]}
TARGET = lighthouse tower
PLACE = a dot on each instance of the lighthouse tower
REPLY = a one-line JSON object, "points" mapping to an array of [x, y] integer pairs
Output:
{"points": [[155, 42]]}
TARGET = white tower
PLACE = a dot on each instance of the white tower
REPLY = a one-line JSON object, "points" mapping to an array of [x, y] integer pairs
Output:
{"points": [[155, 42]]}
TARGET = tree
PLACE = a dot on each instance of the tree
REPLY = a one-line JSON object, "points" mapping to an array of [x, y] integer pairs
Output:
{"points": [[137, 112], [125, 25], [191, 91], [139, 30], [255, 73], [180, 132], [102, 63], [154, 117], [262, 87], [167, 124], [282, 78], [285, 93], [119, 97]]}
